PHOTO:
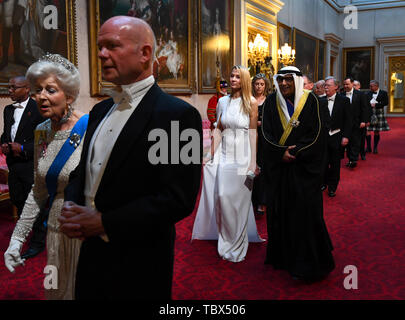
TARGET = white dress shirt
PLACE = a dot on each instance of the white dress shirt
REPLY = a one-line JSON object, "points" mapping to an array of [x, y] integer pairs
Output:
{"points": [[107, 132], [331, 102], [18, 112], [373, 100], [350, 95]]}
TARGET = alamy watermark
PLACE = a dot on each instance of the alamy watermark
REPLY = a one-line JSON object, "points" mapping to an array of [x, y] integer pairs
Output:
{"points": [[351, 280], [166, 149], [351, 21], [51, 277]]}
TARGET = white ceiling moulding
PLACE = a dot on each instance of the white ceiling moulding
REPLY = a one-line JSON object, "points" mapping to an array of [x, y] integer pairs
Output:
{"points": [[364, 5], [393, 40], [264, 10], [269, 6], [333, 38]]}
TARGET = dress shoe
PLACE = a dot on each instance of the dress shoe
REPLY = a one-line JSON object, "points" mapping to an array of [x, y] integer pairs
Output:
{"points": [[331, 193], [323, 188], [260, 212], [375, 151], [31, 252], [351, 164]]}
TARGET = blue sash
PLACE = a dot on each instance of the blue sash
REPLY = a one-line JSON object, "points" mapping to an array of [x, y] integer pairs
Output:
{"points": [[290, 107], [63, 155]]}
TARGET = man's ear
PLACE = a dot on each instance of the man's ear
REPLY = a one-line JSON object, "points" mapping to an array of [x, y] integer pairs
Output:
{"points": [[146, 53]]}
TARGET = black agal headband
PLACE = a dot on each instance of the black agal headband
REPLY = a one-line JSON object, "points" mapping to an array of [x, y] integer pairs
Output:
{"points": [[298, 73]]}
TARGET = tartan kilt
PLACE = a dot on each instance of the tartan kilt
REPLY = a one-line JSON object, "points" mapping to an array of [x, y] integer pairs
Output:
{"points": [[382, 124]]}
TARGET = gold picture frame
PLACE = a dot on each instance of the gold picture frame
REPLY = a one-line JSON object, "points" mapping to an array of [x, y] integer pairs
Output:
{"points": [[181, 80], [321, 60], [62, 41], [305, 45], [215, 42], [358, 63], [284, 35]]}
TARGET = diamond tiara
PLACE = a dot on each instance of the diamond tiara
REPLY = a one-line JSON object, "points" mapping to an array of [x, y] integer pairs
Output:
{"points": [[56, 58]]}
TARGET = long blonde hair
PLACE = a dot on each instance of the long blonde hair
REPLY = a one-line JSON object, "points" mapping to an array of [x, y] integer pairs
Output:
{"points": [[245, 88]]}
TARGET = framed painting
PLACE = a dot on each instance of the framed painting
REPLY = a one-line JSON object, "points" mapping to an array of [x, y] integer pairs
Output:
{"points": [[321, 59], [171, 21], [215, 39], [306, 48], [358, 63], [284, 35], [33, 34]]}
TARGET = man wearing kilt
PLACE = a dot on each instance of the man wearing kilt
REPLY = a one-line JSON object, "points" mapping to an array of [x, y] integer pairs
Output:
{"points": [[378, 99]]}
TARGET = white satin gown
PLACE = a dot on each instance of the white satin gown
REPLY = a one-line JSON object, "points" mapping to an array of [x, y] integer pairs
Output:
{"points": [[225, 211]]}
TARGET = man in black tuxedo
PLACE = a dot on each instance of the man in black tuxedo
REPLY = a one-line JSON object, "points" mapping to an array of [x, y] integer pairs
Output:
{"points": [[357, 86], [377, 100], [17, 143], [358, 106], [340, 126], [120, 198]]}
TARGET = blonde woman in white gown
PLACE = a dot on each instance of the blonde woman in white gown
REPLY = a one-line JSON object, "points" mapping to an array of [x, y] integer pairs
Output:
{"points": [[56, 84], [225, 210]]}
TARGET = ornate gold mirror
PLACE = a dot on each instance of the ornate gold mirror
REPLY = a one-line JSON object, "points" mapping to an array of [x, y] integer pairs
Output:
{"points": [[397, 84]]}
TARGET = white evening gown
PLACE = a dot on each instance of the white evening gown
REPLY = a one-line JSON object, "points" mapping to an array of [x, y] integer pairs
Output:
{"points": [[62, 252], [225, 211]]}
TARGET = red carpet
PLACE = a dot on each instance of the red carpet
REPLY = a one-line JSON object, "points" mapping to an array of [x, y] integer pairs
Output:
{"points": [[366, 222]]}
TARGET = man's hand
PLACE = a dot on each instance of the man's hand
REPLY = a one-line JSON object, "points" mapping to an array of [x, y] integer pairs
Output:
{"points": [[345, 141], [287, 157], [5, 149], [15, 148], [362, 125], [80, 222]]}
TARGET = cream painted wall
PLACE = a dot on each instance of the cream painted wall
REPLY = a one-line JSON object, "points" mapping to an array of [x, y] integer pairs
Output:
{"points": [[376, 24], [314, 17]]}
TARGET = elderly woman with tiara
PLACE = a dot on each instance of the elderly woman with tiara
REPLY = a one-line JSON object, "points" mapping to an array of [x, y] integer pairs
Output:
{"points": [[55, 83]]}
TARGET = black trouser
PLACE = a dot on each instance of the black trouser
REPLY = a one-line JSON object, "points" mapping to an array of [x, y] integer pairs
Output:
{"points": [[353, 147], [332, 163], [363, 141], [20, 180]]}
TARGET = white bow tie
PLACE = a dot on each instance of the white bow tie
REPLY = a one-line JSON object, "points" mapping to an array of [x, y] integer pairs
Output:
{"points": [[18, 105], [119, 95]]}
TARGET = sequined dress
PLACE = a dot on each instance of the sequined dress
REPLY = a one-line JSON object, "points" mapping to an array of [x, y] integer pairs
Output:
{"points": [[62, 252]]}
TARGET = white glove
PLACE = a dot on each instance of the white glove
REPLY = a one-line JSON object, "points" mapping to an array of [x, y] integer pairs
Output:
{"points": [[12, 257]]}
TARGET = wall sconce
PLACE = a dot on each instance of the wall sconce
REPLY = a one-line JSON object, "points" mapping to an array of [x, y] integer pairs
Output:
{"points": [[285, 55]]}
